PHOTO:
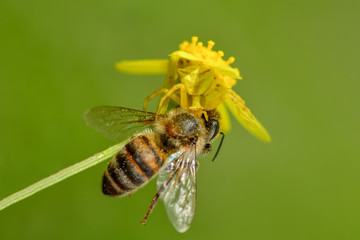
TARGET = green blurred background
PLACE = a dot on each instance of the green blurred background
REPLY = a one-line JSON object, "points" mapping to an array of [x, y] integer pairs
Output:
{"points": [[300, 63]]}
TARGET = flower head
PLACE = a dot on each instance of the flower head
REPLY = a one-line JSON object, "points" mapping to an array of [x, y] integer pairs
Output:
{"points": [[197, 53], [199, 79], [207, 55]]}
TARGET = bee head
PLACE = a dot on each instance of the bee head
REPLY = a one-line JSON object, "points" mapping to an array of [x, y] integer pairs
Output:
{"points": [[184, 125]]}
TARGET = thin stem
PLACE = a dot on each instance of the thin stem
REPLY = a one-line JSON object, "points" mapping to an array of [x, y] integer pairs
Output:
{"points": [[61, 175]]}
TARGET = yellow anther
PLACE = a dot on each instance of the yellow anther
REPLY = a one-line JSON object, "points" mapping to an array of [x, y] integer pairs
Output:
{"points": [[194, 40], [183, 45], [210, 45], [230, 60], [209, 56], [238, 73]]}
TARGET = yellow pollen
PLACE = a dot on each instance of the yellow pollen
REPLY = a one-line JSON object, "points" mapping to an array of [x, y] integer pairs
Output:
{"points": [[210, 45], [194, 40], [206, 54], [230, 60]]}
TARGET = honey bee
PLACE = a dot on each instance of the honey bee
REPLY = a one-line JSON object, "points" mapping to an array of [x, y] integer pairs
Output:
{"points": [[165, 144]]}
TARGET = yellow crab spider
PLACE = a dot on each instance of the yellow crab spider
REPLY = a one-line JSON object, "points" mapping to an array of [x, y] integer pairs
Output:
{"points": [[198, 79]]}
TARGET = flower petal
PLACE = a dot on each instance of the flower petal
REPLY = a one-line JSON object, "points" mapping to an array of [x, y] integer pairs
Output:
{"points": [[226, 70], [153, 66], [224, 118], [182, 54], [246, 118]]}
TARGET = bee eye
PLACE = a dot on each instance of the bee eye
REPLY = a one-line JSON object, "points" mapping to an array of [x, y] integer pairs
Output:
{"points": [[213, 127]]}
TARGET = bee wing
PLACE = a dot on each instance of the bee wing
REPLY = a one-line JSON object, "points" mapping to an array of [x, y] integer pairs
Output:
{"points": [[178, 181], [118, 123]]}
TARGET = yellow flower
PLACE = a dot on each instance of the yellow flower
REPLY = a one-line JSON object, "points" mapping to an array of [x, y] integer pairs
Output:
{"points": [[198, 79]]}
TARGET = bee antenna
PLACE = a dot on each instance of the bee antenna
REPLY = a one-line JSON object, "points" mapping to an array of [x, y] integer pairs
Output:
{"points": [[221, 142]]}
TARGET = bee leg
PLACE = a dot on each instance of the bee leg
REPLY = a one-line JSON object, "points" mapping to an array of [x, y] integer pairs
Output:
{"points": [[158, 92], [151, 207], [157, 195], [183, 96]]}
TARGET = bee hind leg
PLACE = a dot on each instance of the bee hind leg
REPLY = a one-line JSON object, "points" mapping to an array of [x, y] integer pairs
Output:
{"points": [[151, 207]]}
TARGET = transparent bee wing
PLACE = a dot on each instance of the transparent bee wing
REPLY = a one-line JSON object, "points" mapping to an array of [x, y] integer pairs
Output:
{"points": [[178, 181], [118, 123]]}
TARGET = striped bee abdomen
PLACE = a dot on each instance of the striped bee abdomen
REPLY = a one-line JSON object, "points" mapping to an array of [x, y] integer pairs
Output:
{"points": [[133, 166]]}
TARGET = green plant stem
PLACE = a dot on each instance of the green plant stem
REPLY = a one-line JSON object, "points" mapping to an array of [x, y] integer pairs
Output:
{"points": [[61, 175]]}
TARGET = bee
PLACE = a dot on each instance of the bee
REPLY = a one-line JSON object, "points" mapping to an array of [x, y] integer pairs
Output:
{"points": [[165, 144]]}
